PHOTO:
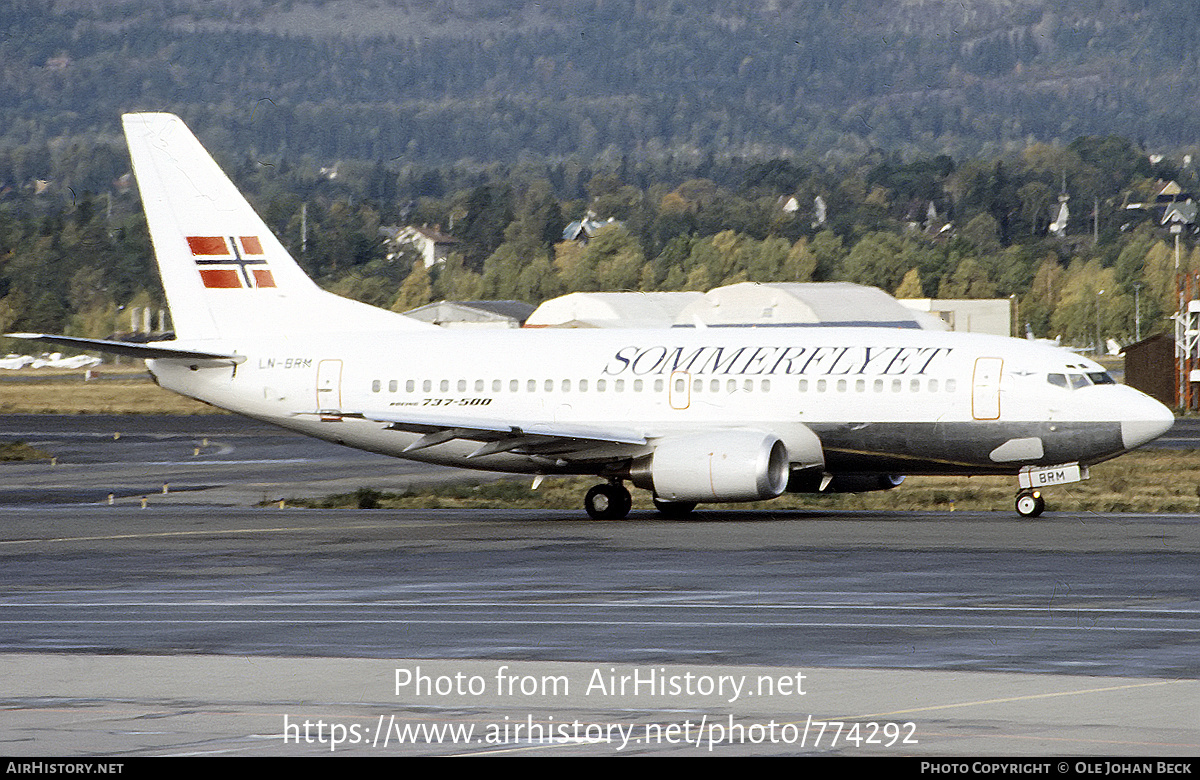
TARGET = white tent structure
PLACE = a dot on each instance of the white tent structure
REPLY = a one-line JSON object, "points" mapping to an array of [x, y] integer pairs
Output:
{"points": [[612, 310], [803, 303], [742, 304]]}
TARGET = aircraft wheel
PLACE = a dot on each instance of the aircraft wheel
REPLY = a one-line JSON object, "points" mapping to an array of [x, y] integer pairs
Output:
{"points": [[1030, 504], [674, 510], [610, 501]]}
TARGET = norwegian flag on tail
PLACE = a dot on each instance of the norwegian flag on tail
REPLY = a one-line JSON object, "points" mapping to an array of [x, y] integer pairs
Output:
{"points": [[233, 262]]}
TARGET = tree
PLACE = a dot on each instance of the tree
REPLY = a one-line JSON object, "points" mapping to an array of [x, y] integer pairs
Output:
{"points": [[875, 260], [1039, 303], [488, 212], [969, 280], [1092, 307], [827, 249], [615, 257], [416, 290], [910, 285]]}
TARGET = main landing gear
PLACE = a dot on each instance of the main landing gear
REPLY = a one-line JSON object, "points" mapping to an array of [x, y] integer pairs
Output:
{"points": [[609, 501], [1030, 503]]}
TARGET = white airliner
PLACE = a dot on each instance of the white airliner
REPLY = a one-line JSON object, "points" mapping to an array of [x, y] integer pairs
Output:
{"points": [[690, 414]]}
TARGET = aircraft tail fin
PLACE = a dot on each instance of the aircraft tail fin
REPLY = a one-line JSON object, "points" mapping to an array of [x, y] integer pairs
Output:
{"points": [[223, 270]]}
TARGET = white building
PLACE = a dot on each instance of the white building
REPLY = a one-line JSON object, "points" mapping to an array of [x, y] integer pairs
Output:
{"points": [[993, 315], [429, 242]]}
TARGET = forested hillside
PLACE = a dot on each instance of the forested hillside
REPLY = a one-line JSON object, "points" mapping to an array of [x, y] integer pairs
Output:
{"points": [[443, 80]]}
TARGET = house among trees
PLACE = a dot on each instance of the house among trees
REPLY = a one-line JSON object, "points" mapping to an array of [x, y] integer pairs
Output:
{"points": [[430, 243], [583, 230], [1177, 207], [1171, 206]]}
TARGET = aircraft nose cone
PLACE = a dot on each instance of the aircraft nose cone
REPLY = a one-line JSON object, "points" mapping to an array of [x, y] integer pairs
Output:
{"points": [[1146, 421]]}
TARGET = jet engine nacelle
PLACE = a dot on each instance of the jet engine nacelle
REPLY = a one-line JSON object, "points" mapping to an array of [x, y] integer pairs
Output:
{"points": [[718, 466], [809, 481]]}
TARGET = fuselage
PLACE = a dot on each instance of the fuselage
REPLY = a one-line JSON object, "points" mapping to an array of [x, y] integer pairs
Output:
{"points": [[879, 400]]}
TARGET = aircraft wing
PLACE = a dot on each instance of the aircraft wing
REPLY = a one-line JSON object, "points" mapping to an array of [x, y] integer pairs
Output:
{"points": [[129, 349], [527, 438]]}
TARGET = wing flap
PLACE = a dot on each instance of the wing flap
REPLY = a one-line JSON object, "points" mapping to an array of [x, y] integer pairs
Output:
{"points": [[495, 436]]}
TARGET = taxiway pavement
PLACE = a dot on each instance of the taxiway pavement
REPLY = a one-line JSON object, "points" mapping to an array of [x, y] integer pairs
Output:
{"points": [[201, 626]]}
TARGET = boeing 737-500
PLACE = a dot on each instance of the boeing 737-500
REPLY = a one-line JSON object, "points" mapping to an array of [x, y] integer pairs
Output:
{"points": [[691, 414]]}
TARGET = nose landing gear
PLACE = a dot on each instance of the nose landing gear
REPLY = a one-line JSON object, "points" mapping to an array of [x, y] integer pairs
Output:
{"points": [[1030, 503]]}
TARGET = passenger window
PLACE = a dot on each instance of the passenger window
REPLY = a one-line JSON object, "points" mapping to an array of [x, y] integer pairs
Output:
{"points": [[409, 386], [427, 385], [583, 385], [531, 386], [933, 385], [860, 385], [915, 385], [496, 385], [549, 385], [658, 385], [879, 385], [444, 385], [821, 385], [841, 385], [766, 385], [715, 385], [637, 385], [566, 385], [375, 386], [601, 385], [393, 386], [620, 386], [951, 385], [804, 385]]}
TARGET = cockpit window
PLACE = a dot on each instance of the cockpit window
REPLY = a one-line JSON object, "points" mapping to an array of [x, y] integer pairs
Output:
{"points": [[1101, 378], [1059, 380], [1078, 381]]}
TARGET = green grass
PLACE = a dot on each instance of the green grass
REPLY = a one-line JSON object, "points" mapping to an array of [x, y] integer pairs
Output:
{"points": [[19, 450], [116, 390], [1144, 481]]}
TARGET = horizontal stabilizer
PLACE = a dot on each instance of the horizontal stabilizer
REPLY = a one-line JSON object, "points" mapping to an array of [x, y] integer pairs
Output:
{"points": [[129, 349]]}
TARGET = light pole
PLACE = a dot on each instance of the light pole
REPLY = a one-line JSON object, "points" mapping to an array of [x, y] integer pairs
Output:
{"points": [[1098, 352], [1137, 311]]}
